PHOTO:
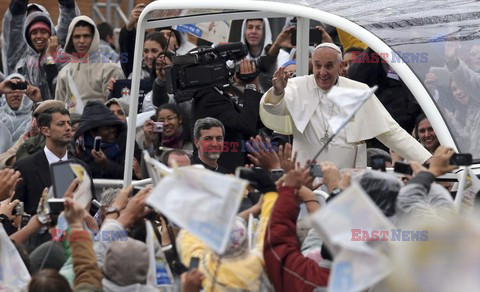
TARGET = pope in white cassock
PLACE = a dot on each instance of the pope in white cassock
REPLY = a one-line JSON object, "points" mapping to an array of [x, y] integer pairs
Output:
{"points": [[299, 105]]}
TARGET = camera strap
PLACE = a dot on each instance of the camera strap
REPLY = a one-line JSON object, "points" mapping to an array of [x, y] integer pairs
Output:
{"points": [[173, 258], [248, 78]]}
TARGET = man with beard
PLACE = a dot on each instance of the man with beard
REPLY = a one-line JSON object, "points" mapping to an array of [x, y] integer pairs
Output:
{"points": [[209, 136]]}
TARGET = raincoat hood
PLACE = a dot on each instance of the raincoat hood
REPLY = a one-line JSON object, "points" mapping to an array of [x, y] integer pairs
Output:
{"points": [[38, 6], [96, 36], [267, 36], [96, 115], [34, 17], [89, 74], [109, 286], [16, 121], [381, 187]]}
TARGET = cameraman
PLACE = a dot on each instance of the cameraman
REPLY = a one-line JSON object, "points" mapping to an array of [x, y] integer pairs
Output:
{"points": [[237, 108]]}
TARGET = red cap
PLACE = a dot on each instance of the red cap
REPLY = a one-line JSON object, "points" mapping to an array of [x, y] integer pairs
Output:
{"points": [[39, 25]]}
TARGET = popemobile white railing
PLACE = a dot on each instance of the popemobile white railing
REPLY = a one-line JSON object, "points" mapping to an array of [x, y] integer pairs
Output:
{"points": [[256, 9]]}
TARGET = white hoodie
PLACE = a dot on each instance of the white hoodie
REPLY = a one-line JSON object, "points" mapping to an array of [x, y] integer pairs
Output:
{"points": [[90, 76]]}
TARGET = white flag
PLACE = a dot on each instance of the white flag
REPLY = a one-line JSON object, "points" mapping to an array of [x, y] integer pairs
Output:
{"points": [[14, 275], [349, 100], [159, 274], [155, 169], [468, 188], [75, 103], [201, 201], [357, 265], [141, 118]]}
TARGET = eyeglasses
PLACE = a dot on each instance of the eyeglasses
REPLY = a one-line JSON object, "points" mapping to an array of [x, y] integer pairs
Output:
{"points": [[168, 119]]}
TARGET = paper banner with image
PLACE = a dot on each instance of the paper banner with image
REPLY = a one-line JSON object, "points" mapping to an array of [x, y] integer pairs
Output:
{"points": [[83, 193], [159, 274], [358, 265], [469, 187], [214, 31], [201, 201], [14, 275]]}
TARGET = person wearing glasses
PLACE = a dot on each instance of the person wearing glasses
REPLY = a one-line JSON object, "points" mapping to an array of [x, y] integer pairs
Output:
{"points": [[167, 130]]}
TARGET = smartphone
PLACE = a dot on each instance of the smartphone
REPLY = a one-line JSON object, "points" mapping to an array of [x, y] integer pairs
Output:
{"points": [[194, 262], [19, 86], [96, 203], [56, 206], [96, 143], [19, 209], [24, 221], [461, 159], [378, 163], [247, 174], [135, 190], [315, 37], [402, 167], [316, 170], [276, 174], [158, 127], [62, 176]]}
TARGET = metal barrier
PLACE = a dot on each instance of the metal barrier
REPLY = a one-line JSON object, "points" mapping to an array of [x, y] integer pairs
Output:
{"points": [[110, 5], [102, 184]]}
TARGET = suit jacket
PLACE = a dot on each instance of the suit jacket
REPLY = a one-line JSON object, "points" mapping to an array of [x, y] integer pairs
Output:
{"points": [[35, 172]]}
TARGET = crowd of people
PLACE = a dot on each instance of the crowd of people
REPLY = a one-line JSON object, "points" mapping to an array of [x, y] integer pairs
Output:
{"points": [[65, 96]]}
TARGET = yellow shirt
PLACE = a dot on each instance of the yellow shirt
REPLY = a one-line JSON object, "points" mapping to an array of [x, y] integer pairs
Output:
{"points": [[242, 273]]}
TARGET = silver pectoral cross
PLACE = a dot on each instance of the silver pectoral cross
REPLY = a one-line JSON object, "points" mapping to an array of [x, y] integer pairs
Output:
{"points": [[324, 140]]}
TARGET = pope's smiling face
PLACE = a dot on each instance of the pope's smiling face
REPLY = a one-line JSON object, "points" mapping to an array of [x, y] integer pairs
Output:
{"points": [[326, 67]]}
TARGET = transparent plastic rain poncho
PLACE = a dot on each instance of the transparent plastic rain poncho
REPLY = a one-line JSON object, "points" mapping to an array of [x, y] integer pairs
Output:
{"points": [[16, 122], [381, 187]]}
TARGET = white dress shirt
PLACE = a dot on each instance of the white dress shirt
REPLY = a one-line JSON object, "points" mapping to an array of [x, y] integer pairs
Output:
{"points": [[52, 158]]}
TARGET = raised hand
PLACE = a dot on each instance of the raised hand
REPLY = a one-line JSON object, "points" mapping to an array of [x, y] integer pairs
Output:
{"points": [[440, 163], [285, 157], [134, 15], [8, 181], [279, 81], [52, 46], [326, 38], [262, 154]]}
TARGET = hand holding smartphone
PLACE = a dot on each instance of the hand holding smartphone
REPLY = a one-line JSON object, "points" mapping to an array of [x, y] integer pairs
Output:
{"points": [[135, 190], [463, 159], [315, 37], [402, 167], [194, 262], [316, 170]]}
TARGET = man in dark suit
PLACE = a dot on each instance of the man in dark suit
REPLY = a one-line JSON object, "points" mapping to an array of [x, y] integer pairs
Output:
{"points": [[55, 125]]}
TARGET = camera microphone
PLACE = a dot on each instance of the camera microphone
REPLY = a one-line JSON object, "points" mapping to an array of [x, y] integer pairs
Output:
{"points": [[237, 50]]}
